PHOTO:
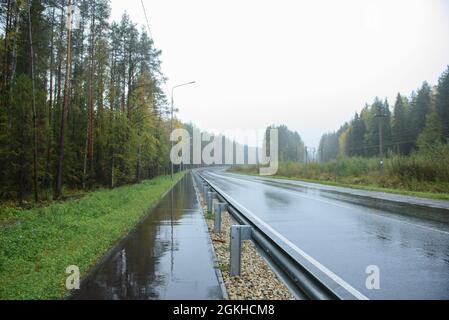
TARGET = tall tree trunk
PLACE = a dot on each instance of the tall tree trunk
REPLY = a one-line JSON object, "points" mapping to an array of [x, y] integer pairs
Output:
{"points": [[14, 55], [91, 94], [60, 59], [51, 89], [112, 169], [85, 159], [65, 104], [6, 66], [35, 146], [112, 78], [139, 163], [130, 79], [124, 77]]}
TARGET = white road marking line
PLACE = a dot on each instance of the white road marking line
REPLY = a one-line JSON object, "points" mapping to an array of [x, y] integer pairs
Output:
{"points": [[333, 203], [314, 262]]}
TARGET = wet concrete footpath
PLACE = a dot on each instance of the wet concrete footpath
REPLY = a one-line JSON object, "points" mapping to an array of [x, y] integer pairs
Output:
{"points": [[168, 256]]}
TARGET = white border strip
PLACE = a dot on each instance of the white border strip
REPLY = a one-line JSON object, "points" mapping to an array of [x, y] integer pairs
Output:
{"points": [[314, 262]]}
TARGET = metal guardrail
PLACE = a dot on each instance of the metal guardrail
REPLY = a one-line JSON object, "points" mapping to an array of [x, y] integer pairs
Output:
{"points": [[305, 277]]}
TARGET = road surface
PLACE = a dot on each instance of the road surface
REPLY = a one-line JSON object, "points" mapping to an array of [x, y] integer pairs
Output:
{"points": [[411, 252]]}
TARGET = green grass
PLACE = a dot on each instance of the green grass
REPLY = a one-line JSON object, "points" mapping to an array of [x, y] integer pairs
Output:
{"points": [[371, 180], [37, 245], [428, 195]]}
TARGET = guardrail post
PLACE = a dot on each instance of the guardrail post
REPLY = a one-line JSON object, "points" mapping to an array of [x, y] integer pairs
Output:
{"points": [[218, 211], [238, 235], [205, 190], [210, 197]]}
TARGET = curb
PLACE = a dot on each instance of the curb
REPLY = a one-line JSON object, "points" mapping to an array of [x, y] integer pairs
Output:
{"points": [[218, 273]]}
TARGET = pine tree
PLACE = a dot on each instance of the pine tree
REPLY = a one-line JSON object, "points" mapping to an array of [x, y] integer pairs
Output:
{"points": [[291, 147], [433, 131], [442, 102], [420, 107], [399, 125], [355, 137], [328, 148]]}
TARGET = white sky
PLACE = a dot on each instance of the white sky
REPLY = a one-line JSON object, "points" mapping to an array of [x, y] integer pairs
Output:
{"points": [[307, 64]]}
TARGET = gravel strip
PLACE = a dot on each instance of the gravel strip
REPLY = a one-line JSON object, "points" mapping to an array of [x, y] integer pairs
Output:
{"points": [[257, 281]]}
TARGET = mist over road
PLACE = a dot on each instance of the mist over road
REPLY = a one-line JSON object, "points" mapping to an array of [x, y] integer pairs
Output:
{"points": [[411, 252]]}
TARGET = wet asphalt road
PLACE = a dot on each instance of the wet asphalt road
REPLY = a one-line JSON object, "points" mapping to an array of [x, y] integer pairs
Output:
{"points": [[168, 256], [412, 253]]}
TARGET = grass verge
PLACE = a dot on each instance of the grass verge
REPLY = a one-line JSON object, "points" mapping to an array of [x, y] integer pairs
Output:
{"points": [[252, 171], [37, 245], [427, 195]]}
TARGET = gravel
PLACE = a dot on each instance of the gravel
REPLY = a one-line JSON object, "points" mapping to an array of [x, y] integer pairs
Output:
{"points": [[257, 280]]}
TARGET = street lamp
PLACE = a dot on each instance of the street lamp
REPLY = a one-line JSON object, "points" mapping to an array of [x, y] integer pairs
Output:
{"points": [[172, 114]]}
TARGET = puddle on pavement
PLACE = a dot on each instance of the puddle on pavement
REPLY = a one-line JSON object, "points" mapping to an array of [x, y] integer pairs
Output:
{"points": [[168, 256]]}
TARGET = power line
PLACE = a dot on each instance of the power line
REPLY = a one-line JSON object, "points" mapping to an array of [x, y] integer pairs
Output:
{"points": [[146, 19], [149, 32]]}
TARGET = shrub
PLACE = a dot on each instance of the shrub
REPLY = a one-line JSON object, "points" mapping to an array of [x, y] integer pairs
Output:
{"points": [[425, 170]]}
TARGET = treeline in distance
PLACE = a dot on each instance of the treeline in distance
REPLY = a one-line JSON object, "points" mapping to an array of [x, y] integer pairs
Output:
{"points": [[412, 123]]}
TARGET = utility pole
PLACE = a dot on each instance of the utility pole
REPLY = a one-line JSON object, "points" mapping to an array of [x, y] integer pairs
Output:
{"points": [[381, 139]]}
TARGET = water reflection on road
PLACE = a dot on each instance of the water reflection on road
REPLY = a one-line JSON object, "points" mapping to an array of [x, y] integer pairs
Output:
{"points": [[168, 256], [346, 237]]}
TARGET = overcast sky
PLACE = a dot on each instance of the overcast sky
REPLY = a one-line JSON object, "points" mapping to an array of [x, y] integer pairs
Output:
{"points": [[307, 64]]}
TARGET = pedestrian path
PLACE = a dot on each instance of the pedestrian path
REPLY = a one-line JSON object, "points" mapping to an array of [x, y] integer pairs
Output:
{"points": [[169, 256]]}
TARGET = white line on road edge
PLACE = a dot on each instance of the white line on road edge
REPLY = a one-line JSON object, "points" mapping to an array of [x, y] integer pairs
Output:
{"points": [[334, 203], [314, 262]]}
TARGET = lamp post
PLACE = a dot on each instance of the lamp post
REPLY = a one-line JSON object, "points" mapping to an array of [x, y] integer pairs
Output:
{"points": [[172, 114]]}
